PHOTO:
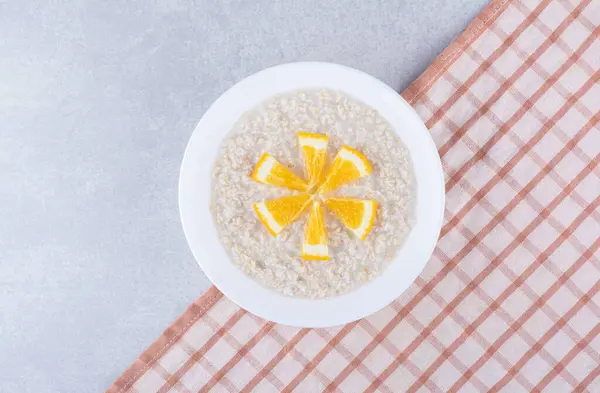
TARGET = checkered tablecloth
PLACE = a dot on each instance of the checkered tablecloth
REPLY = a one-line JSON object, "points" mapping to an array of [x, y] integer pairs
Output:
{"points": [[510, 299]]}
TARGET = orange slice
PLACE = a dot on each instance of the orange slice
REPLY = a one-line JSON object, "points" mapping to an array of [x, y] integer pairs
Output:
{"points": [[356, 214], [276, 214], [314, 151], [270, 171], [348, 165], [314, 246]]}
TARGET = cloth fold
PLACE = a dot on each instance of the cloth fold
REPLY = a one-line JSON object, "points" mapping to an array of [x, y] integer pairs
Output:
{"points": [[510, 299]]}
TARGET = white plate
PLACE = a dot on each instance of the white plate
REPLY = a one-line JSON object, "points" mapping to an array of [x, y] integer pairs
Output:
{"points": [[195, 184]]}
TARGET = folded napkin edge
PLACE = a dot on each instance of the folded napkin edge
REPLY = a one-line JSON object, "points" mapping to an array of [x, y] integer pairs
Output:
{"points": [[449, 55], [166, 340]]}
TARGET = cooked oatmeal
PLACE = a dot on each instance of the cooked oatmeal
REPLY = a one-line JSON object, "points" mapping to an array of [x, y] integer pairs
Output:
{"points": [[276, 262]]}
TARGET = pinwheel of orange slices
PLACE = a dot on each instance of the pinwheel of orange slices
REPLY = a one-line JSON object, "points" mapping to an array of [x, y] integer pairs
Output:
{"points": [[348, 165]]}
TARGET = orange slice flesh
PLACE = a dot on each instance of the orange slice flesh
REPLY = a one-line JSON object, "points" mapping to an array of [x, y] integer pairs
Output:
{"points": [[276, 214], [348, 166], [270, 171], [314, 246], [356, 214], [314, 151]]}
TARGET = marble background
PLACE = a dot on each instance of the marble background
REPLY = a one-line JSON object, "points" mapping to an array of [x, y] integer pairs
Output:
{"points": [[97, 102]]}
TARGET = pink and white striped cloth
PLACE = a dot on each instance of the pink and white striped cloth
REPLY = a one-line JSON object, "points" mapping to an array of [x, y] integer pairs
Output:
{"points": [[510, 300]]}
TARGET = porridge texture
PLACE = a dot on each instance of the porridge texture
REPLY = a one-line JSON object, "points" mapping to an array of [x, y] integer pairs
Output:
{"points": [[276, 262]]}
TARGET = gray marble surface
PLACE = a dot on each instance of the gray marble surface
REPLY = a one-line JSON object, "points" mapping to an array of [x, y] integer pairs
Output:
{"points": [[97, 102]]}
